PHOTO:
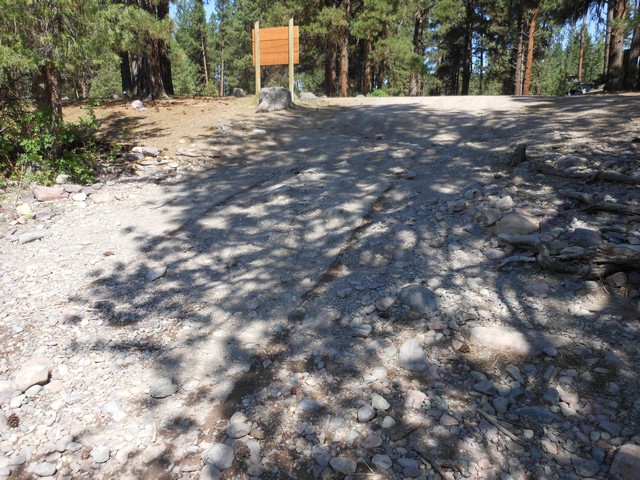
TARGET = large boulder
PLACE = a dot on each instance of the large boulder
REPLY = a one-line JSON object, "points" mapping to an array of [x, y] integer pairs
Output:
{"points": [[275, 98]]}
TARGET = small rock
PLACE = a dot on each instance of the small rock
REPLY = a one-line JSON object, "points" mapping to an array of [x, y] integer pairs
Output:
{"points": [[385, 303], [617, 280], [309, 405], [239, 92], [153, 452], [586, 238], [45, 469], [585, 468], [626, 463], [79, 197], [47, 194], [209, 472], [137, 105], [155, 273], [388, 422], [24, 210], [163, 387], [379, 403], [361, 331], [343, 465], [34, 371], [505, 203], [551, 396], [219, 455], [495, 254], [32, 236], [63, 178], [100, 454], [411, 356], [419, 298], [516, 224], [147, 151], [487, 387], [366, 413], [610, 427], [238, 430], [372, 441], [382, 462], [102, 197]]}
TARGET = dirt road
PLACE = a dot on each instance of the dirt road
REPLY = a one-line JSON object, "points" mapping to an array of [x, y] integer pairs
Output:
{"points": [[248, 303]]}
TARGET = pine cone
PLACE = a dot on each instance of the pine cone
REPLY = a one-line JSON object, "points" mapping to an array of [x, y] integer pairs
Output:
{"points": [[13, 421]]}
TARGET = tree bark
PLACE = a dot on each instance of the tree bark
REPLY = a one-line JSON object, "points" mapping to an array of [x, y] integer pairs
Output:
{"points": [[519, 53], [631, 69], [532, 33], [366, 79], [47, 92], [344, 52], [616, 42], [418, 48], [582, 40], [607, 36], [331, 72], [467, 47]]}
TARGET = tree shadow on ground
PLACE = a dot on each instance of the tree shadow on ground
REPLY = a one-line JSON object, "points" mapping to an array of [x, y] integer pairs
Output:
{"points": [[267, 263]]}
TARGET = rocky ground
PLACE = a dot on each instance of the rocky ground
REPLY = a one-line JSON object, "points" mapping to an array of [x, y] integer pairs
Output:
{"points": [[330, 292]]}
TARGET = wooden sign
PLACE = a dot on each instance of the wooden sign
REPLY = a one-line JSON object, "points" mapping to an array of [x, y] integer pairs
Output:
{"points": [[273, 44]]}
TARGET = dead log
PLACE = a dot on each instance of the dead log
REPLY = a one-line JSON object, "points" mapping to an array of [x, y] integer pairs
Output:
{"points": [[593, 205], [588, 176]]}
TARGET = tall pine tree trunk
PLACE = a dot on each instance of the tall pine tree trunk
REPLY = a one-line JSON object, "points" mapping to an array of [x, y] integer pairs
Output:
{"points": [[331, 72], [344, 52], [631, 69], [519, 60], [532, 34], [607, 36], [467, 48], [418, 48], [366, 79], [582, 40], [47, 92], [616, 43]]}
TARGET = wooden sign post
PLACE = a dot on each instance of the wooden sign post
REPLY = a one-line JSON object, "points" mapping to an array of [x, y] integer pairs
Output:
{"points": [[275, 46]]}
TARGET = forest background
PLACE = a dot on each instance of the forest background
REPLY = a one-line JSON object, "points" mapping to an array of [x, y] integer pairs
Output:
{"points": [[52, 50]]}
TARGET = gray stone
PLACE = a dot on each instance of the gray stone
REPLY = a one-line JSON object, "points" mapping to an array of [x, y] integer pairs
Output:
{"points": [[379, 403], [618, 280], [102, 197], [586, 238], [343, 465], [155, 273], [584, 467], [219, 455], [505, 203], [34, 371], [309, 405], [382, 462], [238, 430], [366, 413], [361, 331], [45, 469], [153, 452], [610, 427], [385, 303], [568, 161], [275, 98], [147, 151], [24, 210], [411, 356], [487, 387], [372, 441], [63, 178], [239, 92], [209, 472], [419, 298], [515, 373], [307, 96], [551, 396], [626, 463], [501, 404], [32, 236], [163, 387], [495, 254], [100, 454], [79, 197], [511, 340], [516, 224], [47, 194]]}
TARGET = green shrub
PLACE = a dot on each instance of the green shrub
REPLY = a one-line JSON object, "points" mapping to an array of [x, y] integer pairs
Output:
{"points": [[32, 149], [377, 93]]}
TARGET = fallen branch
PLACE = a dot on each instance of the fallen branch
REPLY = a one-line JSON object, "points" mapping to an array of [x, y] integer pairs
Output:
{"points": [[515, 259], [592, 204], [494, 421], [589, 176]]}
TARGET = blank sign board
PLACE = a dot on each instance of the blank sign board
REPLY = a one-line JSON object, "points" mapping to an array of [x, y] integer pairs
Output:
{"points": [[274, 45]]}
